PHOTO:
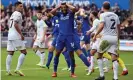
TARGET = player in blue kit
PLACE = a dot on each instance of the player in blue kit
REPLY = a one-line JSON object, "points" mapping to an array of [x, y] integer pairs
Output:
{"points": [[66, 36], [85, 39], [55, 24]]}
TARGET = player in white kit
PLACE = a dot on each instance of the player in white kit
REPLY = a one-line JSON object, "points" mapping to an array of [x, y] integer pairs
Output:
{"points": [[15, 39], [109, 26], [94, 17], [39, 45]]}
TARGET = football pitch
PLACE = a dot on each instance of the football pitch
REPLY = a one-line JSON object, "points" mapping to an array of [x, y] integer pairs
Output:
{"points": [[34, 72]]}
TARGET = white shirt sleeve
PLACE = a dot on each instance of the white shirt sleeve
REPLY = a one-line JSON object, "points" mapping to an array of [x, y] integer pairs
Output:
{"points": [[17, 17], [95, 25], [102, 18]]}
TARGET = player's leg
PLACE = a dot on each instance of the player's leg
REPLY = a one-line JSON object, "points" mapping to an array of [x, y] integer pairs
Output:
{"points": [[42, 56], [106, 58], [82, 57], [10, 50], [37, 52], [70, 48], [72, 61], [115, 65], [100, 65], [106, 64], [122, 64], [67, 58], [20, 62], [20, 46], [91, 68], [59, 47], [87, 42], [50, 55], [82, 43], [56, 61]]}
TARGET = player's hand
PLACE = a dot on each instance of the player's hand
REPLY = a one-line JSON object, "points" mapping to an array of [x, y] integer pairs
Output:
{"points": [[22, 37], [94, 38], [88, 32]]}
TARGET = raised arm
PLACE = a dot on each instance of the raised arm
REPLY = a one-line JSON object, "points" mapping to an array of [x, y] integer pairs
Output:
{"points": [[71, 7], [55, 9]]}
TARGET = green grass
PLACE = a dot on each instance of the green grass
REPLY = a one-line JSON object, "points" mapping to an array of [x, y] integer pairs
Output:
{"points": [[34, 72]]}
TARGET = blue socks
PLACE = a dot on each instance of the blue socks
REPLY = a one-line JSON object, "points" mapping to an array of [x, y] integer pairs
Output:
{"points": [[84, 51], [72, 65], [56, 61], [50, 56], [67, 57], [89, 55], [84, 59]]}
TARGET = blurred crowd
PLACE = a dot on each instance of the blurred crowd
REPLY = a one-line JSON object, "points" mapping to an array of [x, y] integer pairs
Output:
{"points": [[127, 30], [29, 18]]}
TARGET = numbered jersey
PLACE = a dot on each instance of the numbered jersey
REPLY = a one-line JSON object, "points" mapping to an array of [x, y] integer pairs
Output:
{"points": [[111, 20], [16, 17]]}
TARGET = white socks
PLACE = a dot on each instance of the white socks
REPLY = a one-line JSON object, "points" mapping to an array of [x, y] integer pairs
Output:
{"points": [[38, 53], [20, 61], [42, 58], [92, 63], [8, 62], [106, 63], [115, 69], [100, 65]]}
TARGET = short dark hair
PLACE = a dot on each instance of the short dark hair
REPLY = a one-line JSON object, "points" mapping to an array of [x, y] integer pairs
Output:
{"points": [[17, 3], [95, 13], [106, 5]]}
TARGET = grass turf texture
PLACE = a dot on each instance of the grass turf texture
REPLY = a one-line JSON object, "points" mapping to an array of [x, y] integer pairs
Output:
{"points": [[34, 72]]}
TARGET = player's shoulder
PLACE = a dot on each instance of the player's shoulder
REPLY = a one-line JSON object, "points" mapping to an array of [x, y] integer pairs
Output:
{"points": [[109, 14], [16, 13], [96, 20]]}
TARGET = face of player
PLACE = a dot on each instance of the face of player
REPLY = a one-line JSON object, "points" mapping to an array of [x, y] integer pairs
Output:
{"points": [[20, 7], [64, 8], [39, 16]]}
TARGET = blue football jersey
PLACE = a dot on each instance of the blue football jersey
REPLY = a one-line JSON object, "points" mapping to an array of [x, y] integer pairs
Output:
{"points": [[66, 22]]}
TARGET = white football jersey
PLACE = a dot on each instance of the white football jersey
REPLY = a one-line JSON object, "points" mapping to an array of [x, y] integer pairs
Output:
{"points": [[95, 26], [16, 17], [111, 20], [41, 26]]}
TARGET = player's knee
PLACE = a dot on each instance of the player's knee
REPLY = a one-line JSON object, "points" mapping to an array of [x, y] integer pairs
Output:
{"points": [[51, 49], [115, 60], [24, 51], [10, 52], [92, 52], [100, 56], [114, 57]]}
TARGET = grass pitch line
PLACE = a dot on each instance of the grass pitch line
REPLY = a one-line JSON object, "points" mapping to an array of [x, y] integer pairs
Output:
{"points": [[50, 68]]}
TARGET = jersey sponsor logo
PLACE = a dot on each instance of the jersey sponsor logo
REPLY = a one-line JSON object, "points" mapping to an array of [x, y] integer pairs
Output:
{"points": [[64, 17]]}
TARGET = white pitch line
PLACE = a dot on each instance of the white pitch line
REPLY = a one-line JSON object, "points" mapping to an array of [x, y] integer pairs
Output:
{"points": [[50, 68]]}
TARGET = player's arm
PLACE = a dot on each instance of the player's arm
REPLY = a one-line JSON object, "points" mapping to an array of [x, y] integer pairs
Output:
{"points": [[91, 30], [16, 25], [71, 7], [82, 13], [118, 31], [94, 26], [53, 11], [100, 27]]}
